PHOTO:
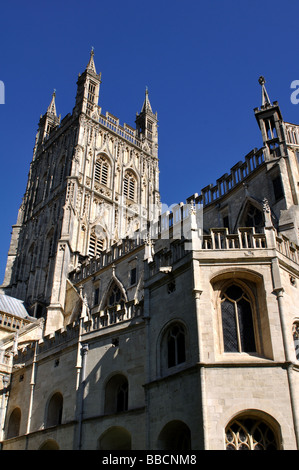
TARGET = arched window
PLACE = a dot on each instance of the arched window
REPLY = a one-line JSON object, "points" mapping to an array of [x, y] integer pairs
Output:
{"points": [[175, 436], [249, 434], [101, 172], [54, 411], [49, 444], [254, 218], [130, 186], [237, 321], [114, 305], [172, 347], [176, 352], [115, 296], [96, 245], [115, 438], [296, 339], [116, 394], [14, 422]]}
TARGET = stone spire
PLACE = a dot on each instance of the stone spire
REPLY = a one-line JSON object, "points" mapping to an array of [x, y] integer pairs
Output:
{"points": [[91, 64], [52, 105], [146, 105], [265, 97]]}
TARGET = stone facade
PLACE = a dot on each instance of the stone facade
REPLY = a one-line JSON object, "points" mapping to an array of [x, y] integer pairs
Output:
{"points": [[145, 330]]}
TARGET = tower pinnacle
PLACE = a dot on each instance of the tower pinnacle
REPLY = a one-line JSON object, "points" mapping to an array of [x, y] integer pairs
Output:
{"points": [[91, 64], [146, 105], [52, 105], [265, 97]]}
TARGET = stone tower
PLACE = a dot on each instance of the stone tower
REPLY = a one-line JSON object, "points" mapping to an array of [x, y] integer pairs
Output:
{"points": [[92, 182]]}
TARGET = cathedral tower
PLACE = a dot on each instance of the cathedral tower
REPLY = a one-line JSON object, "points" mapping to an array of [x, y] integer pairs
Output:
{"points": [[92, 182]]}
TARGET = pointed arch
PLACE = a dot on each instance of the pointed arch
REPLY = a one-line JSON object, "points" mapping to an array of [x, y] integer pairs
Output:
{"points": [[97, 241], [54, 410], [49, 444], [102, 169], [113, 285], [115, 438], [130, 185], [14, 422], [175, 436], [252, 430], [251, 215]]}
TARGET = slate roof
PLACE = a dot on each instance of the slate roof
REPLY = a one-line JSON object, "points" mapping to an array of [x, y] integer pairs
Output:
{"points": [[13, 306]]}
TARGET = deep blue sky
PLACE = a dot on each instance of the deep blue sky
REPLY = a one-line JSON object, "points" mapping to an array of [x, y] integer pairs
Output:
{"points": [[201, 61]]}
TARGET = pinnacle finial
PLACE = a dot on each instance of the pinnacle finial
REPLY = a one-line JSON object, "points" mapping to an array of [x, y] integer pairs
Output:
{"points": [[91, 65], [262, 80], [265, 97], [52, 106], [146, 105]]}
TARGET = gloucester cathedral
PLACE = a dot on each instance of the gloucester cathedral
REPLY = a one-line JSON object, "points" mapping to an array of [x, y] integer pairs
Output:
{"points": [[123, 327]]}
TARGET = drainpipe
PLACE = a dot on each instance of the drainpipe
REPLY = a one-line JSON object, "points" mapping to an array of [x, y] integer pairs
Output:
{"points": [[32, 387], [84, 350]]}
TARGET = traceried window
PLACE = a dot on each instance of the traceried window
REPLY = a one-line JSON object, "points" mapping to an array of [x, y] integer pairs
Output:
{"points": [[176, 353], [115, 296], [249, 434], [116, 394], [237, 321], [96, 245], [101, 173], [254, 218], [130, 186]]}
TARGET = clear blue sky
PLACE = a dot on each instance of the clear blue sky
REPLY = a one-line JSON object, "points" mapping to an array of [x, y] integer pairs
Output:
{"points": [[201, 61]]}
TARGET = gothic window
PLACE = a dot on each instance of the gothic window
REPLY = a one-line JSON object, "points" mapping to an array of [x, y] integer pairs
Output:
{"points": [[115, 296], [237, 321], [54, 411], [249, 434], [49, 444], [96, 245], [14, 422], [101, 172], [130, 186], [254, 218], [175, 436], [296, 339], [116, 394], [115, 438], [174, 346]]}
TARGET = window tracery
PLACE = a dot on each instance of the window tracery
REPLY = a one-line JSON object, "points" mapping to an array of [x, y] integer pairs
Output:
{"points": [[249, 434], [237, 321]]}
